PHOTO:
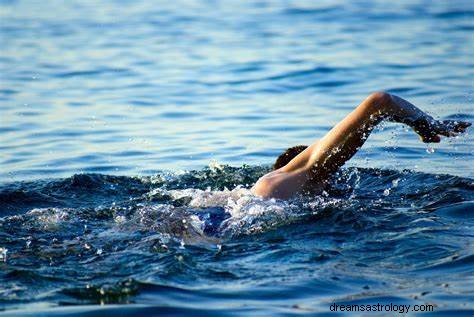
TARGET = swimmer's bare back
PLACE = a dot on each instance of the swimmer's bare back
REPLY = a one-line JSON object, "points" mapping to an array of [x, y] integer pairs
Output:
{"points": [[312, 167]]}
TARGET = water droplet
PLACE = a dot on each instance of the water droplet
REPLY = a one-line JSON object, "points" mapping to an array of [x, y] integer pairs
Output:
{"points": [[386, 192], [120, 219], [430, 150], [99, 251], [395, 182], [3, 254]]}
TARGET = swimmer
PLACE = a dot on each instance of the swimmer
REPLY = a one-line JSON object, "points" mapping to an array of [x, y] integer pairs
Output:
{"points": [[309, 168]]}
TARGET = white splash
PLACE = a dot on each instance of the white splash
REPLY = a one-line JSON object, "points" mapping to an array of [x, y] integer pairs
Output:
{"points": [[248, 213], [210, 198], [3, 254], [48, 218], [215, 166]]}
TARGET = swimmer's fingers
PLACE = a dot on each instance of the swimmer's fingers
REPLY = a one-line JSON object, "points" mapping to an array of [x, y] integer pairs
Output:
{"points": [[456, 126], [461, 126], [431, 130], [447, 133]]}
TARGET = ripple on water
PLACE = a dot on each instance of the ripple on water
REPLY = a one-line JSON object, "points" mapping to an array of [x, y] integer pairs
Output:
{"points": [[170, 227], [137, 89]]}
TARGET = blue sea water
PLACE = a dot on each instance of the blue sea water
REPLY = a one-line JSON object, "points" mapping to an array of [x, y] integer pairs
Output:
{"points": [[130, 132]]}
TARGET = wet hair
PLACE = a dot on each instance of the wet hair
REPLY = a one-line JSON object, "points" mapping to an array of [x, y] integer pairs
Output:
{"points": [[288, 155]]}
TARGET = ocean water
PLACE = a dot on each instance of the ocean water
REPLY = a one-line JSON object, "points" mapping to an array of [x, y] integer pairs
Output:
{"points": [[131, 131]]}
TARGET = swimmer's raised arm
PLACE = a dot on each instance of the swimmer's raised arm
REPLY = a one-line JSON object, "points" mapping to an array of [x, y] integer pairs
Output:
{"points": [[316, 163]]}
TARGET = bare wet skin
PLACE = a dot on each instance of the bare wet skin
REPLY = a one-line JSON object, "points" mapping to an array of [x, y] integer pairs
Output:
{"points": [[431, 130], [110, 113]]}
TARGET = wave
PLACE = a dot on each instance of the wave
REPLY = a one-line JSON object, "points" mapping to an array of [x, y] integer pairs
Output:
{"points": [[102, 238], [216, 200]]}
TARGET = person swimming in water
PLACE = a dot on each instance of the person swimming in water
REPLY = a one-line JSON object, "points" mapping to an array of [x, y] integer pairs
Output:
{"points": [[309, 168]]}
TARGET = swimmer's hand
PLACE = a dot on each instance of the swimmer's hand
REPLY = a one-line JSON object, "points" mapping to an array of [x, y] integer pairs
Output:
{"points": [[431, 130]]}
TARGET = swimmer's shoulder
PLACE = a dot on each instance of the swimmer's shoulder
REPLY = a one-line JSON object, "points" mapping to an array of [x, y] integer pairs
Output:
{"points": [[279, 184]]}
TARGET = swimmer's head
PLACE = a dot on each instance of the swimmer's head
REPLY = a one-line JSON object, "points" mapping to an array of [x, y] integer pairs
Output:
{"points": [[288, 155]]}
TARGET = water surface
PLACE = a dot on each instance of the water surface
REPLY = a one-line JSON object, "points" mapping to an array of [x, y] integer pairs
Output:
{"points": [[130, 132]]}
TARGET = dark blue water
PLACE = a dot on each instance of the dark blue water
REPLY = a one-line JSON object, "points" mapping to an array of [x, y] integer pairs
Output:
{"points": [[130, 132]]}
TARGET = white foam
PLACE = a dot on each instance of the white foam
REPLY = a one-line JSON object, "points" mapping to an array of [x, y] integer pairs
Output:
{"points": [[3, 254], [210, 198], [48, 218]]}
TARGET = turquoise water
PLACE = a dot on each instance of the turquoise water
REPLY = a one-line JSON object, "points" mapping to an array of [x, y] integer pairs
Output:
{"points": [[130, 130]]}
